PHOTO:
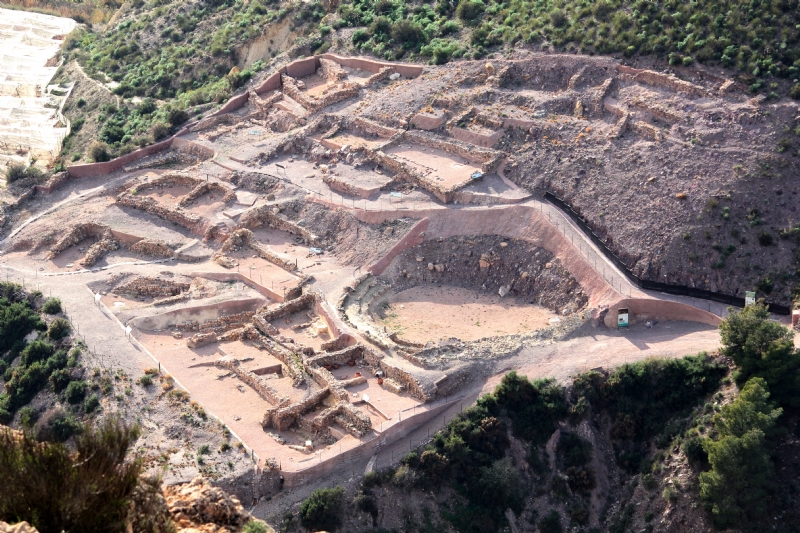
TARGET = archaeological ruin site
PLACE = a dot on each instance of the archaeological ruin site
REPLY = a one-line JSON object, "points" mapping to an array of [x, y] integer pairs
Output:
{"points": [[335, 257]]}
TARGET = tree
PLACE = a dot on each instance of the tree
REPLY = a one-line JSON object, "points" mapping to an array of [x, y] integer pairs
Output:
{"points": [[750, 410], [323, 509], [735, 488], [761, 347]]}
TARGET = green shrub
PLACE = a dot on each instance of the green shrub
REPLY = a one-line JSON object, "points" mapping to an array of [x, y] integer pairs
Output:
{"points": [[91, 404], [15, 172], [794, 92], [145, 381], [177, 117], [642, 397], [255, 526], [551, 523], [573, 450], [52, 306], [56, 426], [59, 328], [470, 11], [534, 407], [75, 392], [17, 319], [366, 503], [57, 489], [98, 151], [59, 379], [498, 486], [28, 417], [37, 350], [323, 509], [159, 131], [693, 448]]}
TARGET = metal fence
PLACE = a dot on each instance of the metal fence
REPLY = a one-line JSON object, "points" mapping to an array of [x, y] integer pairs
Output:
{"points": [[678, 290]]}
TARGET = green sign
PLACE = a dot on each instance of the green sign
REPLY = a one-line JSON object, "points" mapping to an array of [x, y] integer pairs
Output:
{"points": [[622, 317], [749, 298]]}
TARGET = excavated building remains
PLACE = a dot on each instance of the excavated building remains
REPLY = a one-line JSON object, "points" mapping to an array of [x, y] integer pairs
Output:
{"points": [[352, 204]]}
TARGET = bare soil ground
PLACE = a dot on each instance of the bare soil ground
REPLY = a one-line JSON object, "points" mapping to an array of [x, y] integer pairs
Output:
{"points": [[430, 313]]}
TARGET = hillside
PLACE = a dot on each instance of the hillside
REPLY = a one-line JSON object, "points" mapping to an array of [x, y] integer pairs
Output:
{"points": [[652, 446], [181, 55]]}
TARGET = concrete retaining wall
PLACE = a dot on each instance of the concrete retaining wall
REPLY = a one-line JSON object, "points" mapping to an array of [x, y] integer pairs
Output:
{"points": [[90, 170], [642, 310]]}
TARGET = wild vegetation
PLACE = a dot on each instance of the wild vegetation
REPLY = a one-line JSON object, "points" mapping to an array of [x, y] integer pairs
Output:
{"points": [[758, 37], [58, 489], [178, 59]]}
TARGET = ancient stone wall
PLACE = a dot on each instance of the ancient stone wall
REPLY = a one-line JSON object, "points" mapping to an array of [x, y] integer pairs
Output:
{"points": [[489, 158], [646, 130], [282, 418], [257, 383], [99, 249], [382, 74], [330, 70], [658, 79], [153, 248], [264, 216], [146, 286], [244, 237], [339, 92], [76, 234], [201, 339], [149, 205], [207, 187], [218, 325], [372, 127], [324, 379], [353, 419], [215, 121], [294, 367], [341, 357], [169, 178], [290, 307]]}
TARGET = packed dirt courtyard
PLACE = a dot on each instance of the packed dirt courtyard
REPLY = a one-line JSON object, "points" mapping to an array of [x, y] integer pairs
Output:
{"points": [[346, 276]]}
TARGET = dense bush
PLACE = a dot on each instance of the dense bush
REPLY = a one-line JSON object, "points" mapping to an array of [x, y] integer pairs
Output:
{"points": [[75, 392], [52, 306], [98, 151], [642, 397], [15, 172], [534, 407], [56, 425], [551, 523], [323, 509], [56, 489], [59, 328], [91, 404], [17, 319]]}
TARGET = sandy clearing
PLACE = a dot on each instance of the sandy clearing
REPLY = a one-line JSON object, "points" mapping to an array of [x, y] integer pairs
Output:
{"points": [[425, 313]]}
